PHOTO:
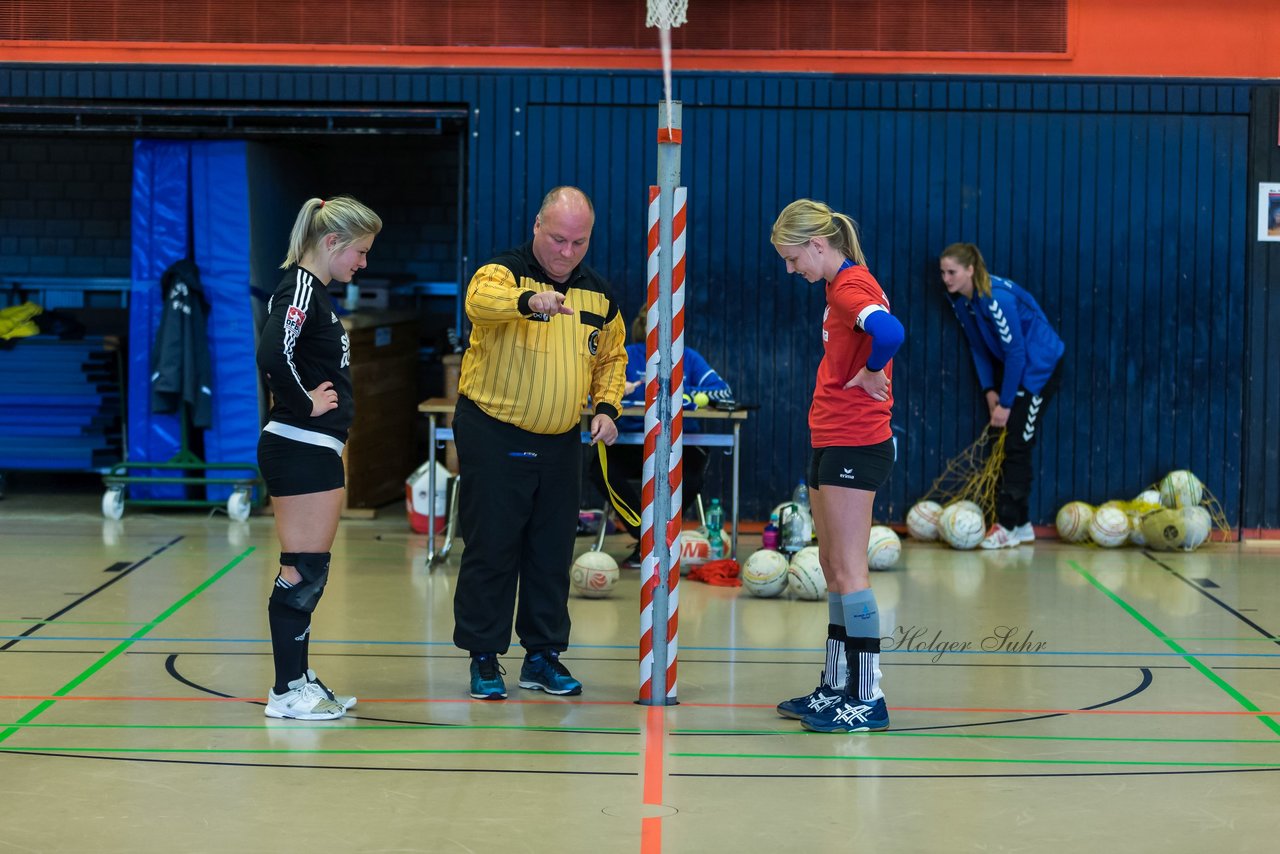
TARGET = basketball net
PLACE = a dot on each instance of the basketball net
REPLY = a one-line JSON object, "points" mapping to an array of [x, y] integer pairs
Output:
{"points": [[666, 15]]}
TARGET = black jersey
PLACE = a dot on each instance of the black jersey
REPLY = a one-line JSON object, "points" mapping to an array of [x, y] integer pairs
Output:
{"points": [[302, 345]]}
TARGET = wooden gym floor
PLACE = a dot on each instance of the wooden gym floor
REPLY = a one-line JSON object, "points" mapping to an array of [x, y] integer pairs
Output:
{"points": [[1130, 703]]}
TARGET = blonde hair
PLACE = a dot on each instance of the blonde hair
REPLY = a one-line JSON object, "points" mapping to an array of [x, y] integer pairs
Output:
{"points": [[967, 255], [341, 215], [805, 219]]}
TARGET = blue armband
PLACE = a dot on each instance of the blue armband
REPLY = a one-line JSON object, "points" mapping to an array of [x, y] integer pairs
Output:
{"points": [[887, 336]]}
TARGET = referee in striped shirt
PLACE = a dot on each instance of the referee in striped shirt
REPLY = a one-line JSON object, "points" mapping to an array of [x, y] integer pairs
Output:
{"points": [[546, 336]]}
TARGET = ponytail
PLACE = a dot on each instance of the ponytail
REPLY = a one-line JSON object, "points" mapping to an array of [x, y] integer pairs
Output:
{"points": [[341, 215]]}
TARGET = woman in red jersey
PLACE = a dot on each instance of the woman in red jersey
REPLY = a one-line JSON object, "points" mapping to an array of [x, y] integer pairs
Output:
{"points": [[853, 453]]}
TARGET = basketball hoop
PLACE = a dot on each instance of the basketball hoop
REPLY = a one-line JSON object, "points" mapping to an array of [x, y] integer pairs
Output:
{"points": [[666, 14]]}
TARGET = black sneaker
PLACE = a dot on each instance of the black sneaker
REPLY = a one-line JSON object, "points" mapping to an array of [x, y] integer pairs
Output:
{"points": [[634, 560]]}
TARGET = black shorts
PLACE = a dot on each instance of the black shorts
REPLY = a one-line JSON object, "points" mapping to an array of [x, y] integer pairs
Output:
{"points": [[862, 467], [291, 467]]}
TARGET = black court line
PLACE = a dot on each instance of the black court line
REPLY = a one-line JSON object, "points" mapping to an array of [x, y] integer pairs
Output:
{"points": [[313, 767], [171, 667], [1266, 633], [86, 597]]}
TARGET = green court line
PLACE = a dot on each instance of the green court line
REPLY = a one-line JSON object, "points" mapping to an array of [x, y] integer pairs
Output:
{"points": [[122, 646], [987, 736], [79, 622], [324, 751], [302, 725], [977, 759], [1226, 687]]}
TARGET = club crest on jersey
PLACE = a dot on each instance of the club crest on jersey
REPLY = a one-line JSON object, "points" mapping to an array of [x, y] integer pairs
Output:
{"points": [[593, 342], [295, 317]]}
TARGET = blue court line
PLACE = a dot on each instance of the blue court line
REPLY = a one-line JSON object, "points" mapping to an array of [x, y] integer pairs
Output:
{"points": [[741, 649]]}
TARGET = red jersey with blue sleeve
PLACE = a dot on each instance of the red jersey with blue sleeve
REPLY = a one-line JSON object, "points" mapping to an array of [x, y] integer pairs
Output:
{"points": [[842, 416]]}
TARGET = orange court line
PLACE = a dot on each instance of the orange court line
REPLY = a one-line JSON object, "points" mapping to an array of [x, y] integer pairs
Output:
{"points": [[651, 827]]}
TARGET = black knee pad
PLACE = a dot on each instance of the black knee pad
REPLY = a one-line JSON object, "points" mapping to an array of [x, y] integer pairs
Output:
{"points": [[314, 569]]}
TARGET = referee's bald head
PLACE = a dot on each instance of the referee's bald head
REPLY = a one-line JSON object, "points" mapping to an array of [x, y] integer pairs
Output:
{"points": [[567, 196]]}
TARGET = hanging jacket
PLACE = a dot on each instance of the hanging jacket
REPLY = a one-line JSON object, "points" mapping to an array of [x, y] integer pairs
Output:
{"points": [[1008, 327], [181, 371]]}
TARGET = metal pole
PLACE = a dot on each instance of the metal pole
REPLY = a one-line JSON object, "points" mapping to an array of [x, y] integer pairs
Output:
{"points": [[669, 125]]}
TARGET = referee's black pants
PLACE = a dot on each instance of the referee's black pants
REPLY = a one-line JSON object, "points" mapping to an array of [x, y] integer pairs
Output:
{"points": [[518, 515], [1026, 422]]}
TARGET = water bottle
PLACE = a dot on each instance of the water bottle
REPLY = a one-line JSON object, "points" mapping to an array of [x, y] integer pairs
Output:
{"points": [[715, 522], [801, 497], [795, 529], [771, 537]]}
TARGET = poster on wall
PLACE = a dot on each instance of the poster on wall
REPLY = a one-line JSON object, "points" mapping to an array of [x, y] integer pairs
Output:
{"points": [[1269, 212]]}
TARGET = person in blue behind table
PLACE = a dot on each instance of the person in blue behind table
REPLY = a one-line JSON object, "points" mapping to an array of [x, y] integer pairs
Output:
{"points": [[853, 454], [1018, 356], [626, 462]]}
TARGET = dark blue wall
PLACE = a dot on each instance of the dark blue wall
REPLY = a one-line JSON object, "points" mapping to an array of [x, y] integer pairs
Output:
{"points": [[1123, 206]]}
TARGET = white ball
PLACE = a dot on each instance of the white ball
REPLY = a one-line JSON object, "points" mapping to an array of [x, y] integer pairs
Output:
{"points": [[1109, 527], [961, 526], [765, 573], [1181, 488], [695, 550], [1073, 521], [1198, 524], [593, 575], [922, 520], [804, 575], [883, 547], [1149, 496]]}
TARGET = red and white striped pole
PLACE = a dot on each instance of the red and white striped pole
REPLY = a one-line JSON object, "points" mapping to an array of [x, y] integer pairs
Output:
{"points": [[661, 488]]}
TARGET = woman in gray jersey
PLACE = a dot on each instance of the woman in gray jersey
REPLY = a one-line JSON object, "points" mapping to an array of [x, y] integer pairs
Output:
{"points": [[306, 356]]}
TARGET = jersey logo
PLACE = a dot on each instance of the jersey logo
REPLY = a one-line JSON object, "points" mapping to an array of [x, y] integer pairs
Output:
{"points": [[295, 317], [593, 342], [333, 318]]}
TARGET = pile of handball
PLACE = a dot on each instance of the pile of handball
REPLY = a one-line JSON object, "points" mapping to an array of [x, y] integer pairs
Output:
{"points": [[1169, 516], [768, 573], [960, 524]]}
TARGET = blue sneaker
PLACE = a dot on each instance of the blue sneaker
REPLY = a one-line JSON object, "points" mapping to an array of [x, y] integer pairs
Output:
{"points": [[822, 698], [543, 671], [486, 677], [849, 715]]}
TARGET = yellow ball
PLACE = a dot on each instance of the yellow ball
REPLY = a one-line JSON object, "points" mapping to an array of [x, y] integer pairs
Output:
{"points": [[701, 399]]}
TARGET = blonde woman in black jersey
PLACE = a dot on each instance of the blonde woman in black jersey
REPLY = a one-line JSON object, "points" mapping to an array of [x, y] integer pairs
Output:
{"points": [[306, 356]]}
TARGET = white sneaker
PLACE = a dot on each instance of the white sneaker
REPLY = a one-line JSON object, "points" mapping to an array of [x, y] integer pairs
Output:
{"points": [[304, 701], [346, 702], [999, 537], [1024, 533]]}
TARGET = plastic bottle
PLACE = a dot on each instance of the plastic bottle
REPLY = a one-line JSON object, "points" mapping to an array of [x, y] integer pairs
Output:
{"points": [[771, 538], [801, 497], [715, 524]]}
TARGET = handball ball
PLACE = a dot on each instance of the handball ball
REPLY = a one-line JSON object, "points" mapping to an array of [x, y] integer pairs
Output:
{"points": [[1149, 496], [883, 547], [1109, 526], [1181, 488], [1073, 521], [961, 526], [765, 573], [593, 575], [695, 549], [1197, 524], [1164, 529], [700, 399], [922, 520], [804, 575]]}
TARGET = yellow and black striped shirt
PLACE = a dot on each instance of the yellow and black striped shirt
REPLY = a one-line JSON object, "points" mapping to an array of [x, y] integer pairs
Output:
{"points": [[535, 372]]}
